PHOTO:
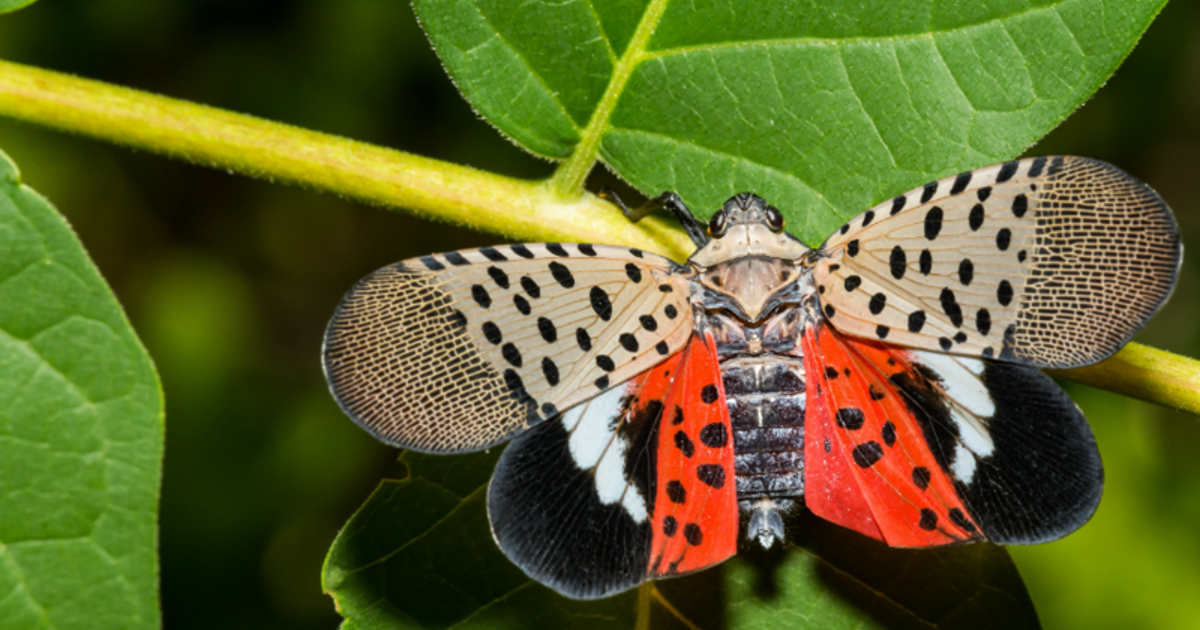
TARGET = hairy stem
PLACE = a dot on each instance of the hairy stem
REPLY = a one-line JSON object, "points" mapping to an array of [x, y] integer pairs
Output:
{"points": [[517, 209]]}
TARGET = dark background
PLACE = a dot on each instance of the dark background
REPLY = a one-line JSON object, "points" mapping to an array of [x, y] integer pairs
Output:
{"points": [[230, 281]]}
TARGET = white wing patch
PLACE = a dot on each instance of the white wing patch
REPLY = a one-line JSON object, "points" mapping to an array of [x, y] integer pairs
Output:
{"points": [[459, 351], [595, 446], [970, 405], [1051, 262]]}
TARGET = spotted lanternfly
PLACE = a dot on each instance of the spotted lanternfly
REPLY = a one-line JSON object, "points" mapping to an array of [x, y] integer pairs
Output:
{"points": [[887, 380]]}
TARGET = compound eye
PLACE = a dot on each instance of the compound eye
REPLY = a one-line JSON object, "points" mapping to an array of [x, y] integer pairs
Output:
{"points": [[774, 219], [716, 225]]}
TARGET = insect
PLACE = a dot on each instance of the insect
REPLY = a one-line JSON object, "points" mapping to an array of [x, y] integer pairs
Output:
{"points": [[887, 380]]}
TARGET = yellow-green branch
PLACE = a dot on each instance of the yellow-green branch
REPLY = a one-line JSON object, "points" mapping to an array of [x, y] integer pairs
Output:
{"points": [[518, 209]]}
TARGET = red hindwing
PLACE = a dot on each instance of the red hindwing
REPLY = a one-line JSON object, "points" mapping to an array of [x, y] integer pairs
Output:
{"points": [[868, 464], [695, 518]]}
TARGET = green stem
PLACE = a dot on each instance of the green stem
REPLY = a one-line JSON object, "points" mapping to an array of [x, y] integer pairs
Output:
{"points": [[518, 209], [570, 176], [1145, 373]]}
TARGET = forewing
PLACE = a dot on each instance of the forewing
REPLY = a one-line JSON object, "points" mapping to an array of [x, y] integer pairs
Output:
{"points": [[459, 351], [976, 447], [1052, 262], [612, 493]]}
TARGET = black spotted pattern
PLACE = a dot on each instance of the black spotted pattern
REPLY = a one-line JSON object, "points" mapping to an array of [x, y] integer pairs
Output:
{"points": [[605, 362], [951, 308], [583, 339], [877, 303], [921, 477], [709, 394], [898, 262], [531, 287], [850, 418], [601, 304], [916, 321], [684, 444], [966, 272], [1020, 206], [975, 219], [713, 435], [853, 283], [491, 254], [929, 520], [498, 276], [522, 305], [557, 250], [711, 475], [983, 321], [926, 262], [675, 492], [511, 354], [634, 272], [562, 274], [491, 332], [1004, 293], [547, 329], [933, 222], [888, 433], [481, 296], [628, 341], [867, 454], [1003, 238], [550, 370]]}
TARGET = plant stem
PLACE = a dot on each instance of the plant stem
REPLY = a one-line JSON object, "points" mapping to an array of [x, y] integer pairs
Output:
{"points": [[570, 176], [1145, 373], [518, 209]]}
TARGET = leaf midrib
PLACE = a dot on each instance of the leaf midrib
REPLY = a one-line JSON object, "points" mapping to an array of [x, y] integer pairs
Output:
{"points": [[569, 178]]}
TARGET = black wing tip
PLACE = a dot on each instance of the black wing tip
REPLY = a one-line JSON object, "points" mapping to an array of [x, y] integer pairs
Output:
{"points": [[1046, 477]]}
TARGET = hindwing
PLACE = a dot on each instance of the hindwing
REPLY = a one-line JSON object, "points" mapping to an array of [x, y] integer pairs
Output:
{"points": [[622, 488], [460, 351], [922, 448], [1052, 262]]}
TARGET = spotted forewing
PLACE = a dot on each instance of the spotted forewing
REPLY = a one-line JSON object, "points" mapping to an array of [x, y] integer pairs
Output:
{"points": [[1051, 262], [460, 351]]}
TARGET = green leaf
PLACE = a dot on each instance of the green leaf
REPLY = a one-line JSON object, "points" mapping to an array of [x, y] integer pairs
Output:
{"points": [[822, 108], [419, 554], [81, 434], [13, 5]]}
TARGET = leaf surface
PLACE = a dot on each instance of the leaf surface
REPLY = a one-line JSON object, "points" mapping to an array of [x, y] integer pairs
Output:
{"points": [[81, 434], [822, 108], [13, 5]]}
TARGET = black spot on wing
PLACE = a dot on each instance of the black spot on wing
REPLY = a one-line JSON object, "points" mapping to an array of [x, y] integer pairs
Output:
{"points": [[961, 182], [898, 262], [492, 254], [1006, 172]]}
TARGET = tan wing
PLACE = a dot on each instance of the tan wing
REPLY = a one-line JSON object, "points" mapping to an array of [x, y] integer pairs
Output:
{"points": [[1053, 262], [459, 351]]}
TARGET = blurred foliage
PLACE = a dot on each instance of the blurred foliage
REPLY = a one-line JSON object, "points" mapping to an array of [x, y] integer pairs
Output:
{"points": [[230, 282]]}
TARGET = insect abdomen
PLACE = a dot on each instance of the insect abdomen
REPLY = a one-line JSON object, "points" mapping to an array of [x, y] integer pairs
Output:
{"points": [[766, 408]]}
